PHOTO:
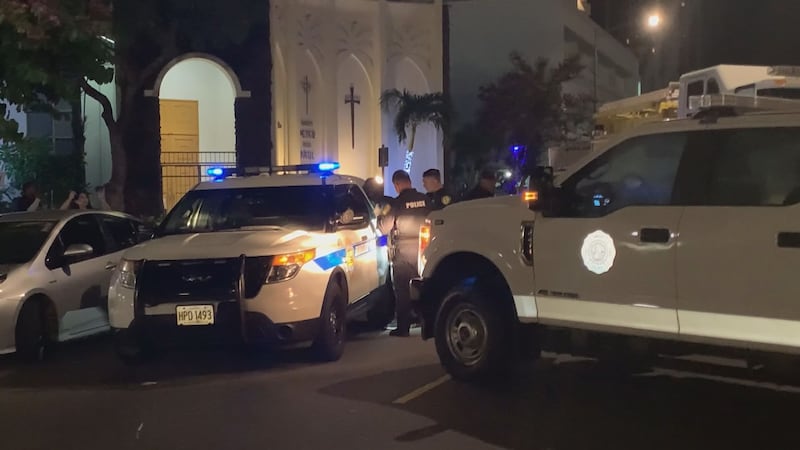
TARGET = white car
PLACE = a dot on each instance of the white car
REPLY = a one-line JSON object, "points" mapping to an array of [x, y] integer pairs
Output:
{"points": [[55, 268], [282, 257], [677, 237]]}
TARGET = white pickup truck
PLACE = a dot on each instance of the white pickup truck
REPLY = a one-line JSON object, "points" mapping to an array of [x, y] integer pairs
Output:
{"points": [[678, 237]]}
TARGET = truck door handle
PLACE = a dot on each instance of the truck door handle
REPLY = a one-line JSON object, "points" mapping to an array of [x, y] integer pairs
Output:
{"points": [[788, 239], [111, 266], [655, 235]]}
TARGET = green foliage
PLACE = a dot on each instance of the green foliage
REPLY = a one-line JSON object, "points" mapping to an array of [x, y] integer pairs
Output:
{"points": [[33, 160], [527, 105], [413, 110], [48, 47]]}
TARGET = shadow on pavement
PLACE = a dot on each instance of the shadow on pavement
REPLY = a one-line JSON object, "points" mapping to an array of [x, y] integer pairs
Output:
{"points": [[579, 405], [92, 363]]}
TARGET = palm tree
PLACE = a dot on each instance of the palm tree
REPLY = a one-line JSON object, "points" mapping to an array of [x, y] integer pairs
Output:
{"points": [[413, 110]]}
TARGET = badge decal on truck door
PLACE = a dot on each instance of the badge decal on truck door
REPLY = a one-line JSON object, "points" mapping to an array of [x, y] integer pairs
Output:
{"points": [[598, 252]]}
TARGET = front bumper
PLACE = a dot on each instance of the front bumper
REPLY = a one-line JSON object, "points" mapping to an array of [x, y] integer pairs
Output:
{"points": [[230, 327]]}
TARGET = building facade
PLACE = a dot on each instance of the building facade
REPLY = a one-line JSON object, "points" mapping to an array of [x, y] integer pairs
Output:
{"points": [[483, 34]]}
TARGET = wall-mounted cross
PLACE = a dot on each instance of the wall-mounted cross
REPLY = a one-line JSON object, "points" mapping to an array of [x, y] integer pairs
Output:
{"points": [[352, 99], [306, 85]]}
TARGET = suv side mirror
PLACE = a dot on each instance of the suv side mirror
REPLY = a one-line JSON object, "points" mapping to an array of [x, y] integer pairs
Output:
{"points": [[77, 252]]}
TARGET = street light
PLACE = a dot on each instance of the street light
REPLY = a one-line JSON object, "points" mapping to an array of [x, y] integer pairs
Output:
{"points": [[654, 23]]}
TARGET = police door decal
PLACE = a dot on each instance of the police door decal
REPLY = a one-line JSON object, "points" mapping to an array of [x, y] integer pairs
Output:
{"points": [[598, 252]]}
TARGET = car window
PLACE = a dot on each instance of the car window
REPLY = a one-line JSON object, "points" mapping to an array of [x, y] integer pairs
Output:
{"points": [[756, 167], [21, 241], [351, 196], [83, 230], [293, 207], [638, 172], [123, 232]]}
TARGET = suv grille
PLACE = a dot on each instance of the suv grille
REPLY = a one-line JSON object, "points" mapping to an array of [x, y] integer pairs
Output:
{"points": [[204, 279]]}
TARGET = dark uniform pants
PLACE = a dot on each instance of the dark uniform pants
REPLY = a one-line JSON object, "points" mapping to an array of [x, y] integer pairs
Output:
{"points": [[403, 271]]}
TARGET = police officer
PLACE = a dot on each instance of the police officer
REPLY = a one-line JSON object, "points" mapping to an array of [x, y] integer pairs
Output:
{"points": [[401, 221], [485, 187], [373, 187], [437, 194]]}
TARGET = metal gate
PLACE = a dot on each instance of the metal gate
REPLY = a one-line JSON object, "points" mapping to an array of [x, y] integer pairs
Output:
{"points": [[181, 171]]}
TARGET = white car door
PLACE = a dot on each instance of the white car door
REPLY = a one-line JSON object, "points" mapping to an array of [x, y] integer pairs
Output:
{"points": [[739, 247], [79, 286], [360, 240], [606, 259]]}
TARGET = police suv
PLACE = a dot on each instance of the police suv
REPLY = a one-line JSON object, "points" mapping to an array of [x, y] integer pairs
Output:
{"points": [[677, 237], [278, 256]]}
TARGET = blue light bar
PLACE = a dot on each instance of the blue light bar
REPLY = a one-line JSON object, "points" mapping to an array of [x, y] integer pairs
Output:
{"points": [[215, 171], [327, 166]]}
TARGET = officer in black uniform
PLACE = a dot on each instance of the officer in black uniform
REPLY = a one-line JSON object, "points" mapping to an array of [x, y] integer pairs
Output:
{"points": [[401, 221], [437, 194], [374, 190]]}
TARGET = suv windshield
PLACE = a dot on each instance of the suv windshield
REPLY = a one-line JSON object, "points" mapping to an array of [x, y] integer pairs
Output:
{"points": [[21, 241], [292, 207]]}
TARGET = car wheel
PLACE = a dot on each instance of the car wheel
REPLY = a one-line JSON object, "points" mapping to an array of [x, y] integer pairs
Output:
{"points": [[130, 349], [473, 339], [382, 312], [329, 344], [32, 339]]}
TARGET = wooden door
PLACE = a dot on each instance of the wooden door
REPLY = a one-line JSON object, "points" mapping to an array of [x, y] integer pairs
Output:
{"points": [[180, 148]]}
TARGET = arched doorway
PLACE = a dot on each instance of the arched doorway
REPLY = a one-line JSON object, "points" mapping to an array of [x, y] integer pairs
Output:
{"points": [[196, 97]]}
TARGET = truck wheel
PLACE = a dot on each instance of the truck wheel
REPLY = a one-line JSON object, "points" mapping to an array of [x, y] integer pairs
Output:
{"points": [[382, 312], [473, 340], [32, 340], [329, 344]]}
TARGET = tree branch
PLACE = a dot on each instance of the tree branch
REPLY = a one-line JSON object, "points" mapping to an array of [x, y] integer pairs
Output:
{"points": [[105, 103]]}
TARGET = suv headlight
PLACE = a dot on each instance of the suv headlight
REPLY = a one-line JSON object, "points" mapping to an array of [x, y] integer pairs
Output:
{"points": [[126, 273], [285, 267]]}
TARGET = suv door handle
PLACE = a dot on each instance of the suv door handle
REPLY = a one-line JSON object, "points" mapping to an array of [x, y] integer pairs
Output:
{"points": [[111, 266], [655, 235]]}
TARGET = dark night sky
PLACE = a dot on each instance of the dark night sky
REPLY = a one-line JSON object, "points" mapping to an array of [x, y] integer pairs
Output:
{"points": [[760, 32]]}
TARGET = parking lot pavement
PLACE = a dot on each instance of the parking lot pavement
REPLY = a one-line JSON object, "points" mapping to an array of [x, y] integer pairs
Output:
{"points": [[385, 393]]}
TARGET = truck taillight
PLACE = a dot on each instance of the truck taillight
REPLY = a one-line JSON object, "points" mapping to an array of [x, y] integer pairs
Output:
{"points": [[424, 237], [424, 240]]}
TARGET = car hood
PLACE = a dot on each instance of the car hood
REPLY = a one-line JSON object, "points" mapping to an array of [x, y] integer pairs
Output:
{"points": [[222, 244]]}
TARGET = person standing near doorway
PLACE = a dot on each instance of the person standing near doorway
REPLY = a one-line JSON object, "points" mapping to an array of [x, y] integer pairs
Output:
{"points": [[29, 200]]}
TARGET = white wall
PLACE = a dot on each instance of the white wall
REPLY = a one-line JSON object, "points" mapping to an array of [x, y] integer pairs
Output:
{"points": [[208, 83], [97, 147]]}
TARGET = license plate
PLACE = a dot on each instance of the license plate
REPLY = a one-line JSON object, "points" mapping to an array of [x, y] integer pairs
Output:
{"points": [[193, 315]]}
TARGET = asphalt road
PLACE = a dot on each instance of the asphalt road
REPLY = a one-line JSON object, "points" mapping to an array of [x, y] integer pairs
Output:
{"points": [[386, 393]]}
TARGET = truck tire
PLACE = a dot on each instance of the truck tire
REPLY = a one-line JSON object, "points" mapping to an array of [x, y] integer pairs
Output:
{"points": [[329, 344], [474, 340]]}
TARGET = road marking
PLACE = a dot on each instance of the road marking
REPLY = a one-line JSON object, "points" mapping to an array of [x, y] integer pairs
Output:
{"points": [[139, 430], [422, 390]]}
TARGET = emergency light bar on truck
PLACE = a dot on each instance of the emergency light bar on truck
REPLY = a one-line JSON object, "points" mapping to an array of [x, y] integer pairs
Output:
{"points": [[323, 169]]}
